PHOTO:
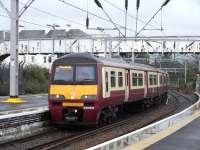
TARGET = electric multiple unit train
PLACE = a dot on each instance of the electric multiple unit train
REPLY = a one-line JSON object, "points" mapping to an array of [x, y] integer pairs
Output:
{"points": [[85, 89]]}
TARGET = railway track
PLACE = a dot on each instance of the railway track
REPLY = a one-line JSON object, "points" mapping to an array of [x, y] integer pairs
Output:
{"points": [[87, 138], [182, 101], [66, 141]]}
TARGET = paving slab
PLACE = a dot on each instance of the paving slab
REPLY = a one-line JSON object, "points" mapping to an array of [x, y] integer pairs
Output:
{"points": [[187, 138]]}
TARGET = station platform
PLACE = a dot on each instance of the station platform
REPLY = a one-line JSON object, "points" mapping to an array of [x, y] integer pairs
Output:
{"points": [[186, 138], [32, 101]]}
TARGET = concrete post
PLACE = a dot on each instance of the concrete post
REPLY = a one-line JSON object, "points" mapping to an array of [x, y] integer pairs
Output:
{"points": [[14, 67]]}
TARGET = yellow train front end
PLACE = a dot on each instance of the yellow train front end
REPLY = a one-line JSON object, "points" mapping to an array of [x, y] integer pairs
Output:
{"points": [[73, 93]]}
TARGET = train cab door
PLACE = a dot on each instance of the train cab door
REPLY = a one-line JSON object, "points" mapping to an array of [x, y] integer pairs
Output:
{"points": [[126, 86], [106, 83]]}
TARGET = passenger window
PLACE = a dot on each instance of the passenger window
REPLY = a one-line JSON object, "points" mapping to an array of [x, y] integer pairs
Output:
{"points": [[140, 79], [113, 79], [134, 79], [151, 79], [155, 79], [106, 81], [160, 79], [120, 79]]}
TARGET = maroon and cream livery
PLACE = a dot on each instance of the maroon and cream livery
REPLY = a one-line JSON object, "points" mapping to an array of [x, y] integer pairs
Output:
{"points": [[92, 90]]}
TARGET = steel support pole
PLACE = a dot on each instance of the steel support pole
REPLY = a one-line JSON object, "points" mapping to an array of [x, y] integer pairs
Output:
{"points": [[199, 63], [110, 49], [53, 45], [92, 46], [105, 51], [119, 46], [133, 55], [185, 72], [14, 67]]}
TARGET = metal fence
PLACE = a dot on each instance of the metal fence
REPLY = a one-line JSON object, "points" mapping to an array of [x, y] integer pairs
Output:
{"points": [[143, 133], [5, 78]]}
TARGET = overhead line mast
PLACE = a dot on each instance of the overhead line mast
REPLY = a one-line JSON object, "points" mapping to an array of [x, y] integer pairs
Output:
{"points": [[14, 67]]}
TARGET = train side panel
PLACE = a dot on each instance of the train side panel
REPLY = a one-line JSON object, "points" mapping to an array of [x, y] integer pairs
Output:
{"points": [[137, 85]]}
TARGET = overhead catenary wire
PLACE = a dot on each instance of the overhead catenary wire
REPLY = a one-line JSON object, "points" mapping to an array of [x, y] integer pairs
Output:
{"points": [[53, 15], [131, 16], [90, 13], [110, 19], [128, 14], [126, 8], [137, 10], [87, 18], [48, 13], [25, 21], [164, 4]]}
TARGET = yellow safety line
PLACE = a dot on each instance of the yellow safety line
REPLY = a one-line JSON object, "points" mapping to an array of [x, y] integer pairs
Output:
{"points": [[14, 101], [161, 135]]}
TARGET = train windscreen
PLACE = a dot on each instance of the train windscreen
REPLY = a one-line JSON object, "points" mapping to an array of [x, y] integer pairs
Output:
{"points": [[63, 74], [85, 73], [76, 74]]}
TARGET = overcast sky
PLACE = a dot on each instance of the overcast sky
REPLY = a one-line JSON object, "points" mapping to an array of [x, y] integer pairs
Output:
{"points": [[180, 17]]}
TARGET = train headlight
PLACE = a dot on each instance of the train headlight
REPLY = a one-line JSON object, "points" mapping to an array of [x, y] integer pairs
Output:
{"points": [[88, 97], [57, 97]]}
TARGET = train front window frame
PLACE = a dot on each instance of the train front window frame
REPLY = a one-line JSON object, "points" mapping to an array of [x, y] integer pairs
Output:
{"points": [[74, 80], [85, 75], [63, 71]]}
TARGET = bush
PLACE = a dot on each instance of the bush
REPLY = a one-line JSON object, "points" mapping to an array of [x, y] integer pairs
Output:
{"points": [[35, 79], [4, 90]]}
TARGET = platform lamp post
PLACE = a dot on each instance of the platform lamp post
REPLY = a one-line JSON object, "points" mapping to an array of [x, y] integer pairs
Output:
{"points": [[14, 15], [110, 42], [54, 26], [68, 26], [106, 40]]}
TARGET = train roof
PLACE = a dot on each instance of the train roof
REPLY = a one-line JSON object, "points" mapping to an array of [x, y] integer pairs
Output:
{"points": [[109, 62]]}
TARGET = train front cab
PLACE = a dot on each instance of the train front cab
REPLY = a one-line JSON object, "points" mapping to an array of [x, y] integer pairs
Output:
{"points": [[73, 93]]}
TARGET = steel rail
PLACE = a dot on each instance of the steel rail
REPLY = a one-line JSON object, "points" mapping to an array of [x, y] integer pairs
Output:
{"points": [[67, 141]]}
